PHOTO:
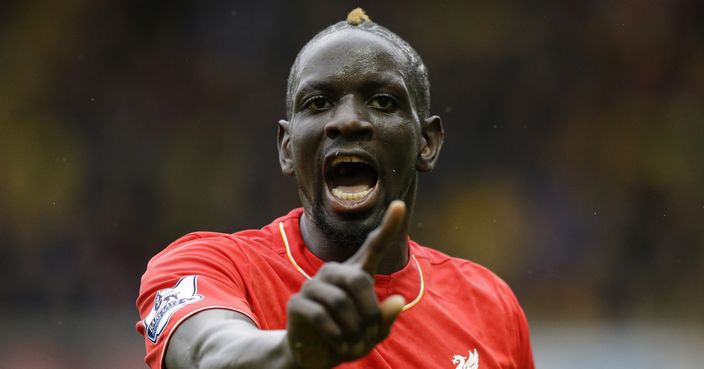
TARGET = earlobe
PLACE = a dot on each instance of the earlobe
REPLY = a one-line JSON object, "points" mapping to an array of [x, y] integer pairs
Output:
{"points": [[432, 137], [284, 146]]}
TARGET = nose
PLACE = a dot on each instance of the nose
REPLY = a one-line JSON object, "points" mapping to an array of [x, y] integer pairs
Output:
{"points": [[349, 121]]}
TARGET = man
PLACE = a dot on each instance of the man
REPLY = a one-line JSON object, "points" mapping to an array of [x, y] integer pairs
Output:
{"points": [[338, 282]]}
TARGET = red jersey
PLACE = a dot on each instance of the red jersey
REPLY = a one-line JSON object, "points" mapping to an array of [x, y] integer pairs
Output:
{"points": [[466, 317]]}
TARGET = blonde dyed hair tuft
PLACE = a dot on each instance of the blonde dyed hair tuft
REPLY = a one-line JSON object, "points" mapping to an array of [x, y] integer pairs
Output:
{"points": [[357, 16]]}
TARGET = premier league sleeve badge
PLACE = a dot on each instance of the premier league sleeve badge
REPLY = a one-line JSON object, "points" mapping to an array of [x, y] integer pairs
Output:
{"points": [[167, 302]]}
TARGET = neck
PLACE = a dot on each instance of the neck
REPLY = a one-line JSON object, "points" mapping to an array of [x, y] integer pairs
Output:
{"points": [[322, 246]]}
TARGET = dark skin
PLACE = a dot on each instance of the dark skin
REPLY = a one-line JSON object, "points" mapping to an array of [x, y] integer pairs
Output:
{"points": [[351, 98]]}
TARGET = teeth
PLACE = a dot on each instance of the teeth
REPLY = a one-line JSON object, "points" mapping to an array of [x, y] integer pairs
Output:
{"points": [[346, 159], [337, 192], [352, 192]]}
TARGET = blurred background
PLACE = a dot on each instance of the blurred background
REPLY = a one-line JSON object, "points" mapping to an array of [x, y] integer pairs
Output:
{"points": [[573, 165]]}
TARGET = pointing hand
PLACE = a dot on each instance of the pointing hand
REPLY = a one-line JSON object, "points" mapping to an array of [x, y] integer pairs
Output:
{"points": [[336, 316]]}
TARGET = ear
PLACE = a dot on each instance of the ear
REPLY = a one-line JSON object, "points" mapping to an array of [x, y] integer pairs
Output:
{"points": [[284, 146], [432, 137]]}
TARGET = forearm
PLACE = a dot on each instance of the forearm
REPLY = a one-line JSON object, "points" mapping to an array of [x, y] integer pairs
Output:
{"points": [[248, 348], [202, 342]]}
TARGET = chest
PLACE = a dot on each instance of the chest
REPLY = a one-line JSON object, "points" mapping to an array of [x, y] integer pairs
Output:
{"points": [[455, 325], [445, 333]]}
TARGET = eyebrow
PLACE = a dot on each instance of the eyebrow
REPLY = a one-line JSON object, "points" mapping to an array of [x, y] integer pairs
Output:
{"points": [[375, 81], [314, 85]]}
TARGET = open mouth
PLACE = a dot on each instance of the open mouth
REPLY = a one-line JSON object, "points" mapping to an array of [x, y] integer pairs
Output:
{"points": [[352, 183]]}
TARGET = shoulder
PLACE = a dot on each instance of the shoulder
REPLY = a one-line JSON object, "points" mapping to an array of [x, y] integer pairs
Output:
{"points": [[440, 260], [470, 276], [459, 280], [217, 247], [202, 245]]}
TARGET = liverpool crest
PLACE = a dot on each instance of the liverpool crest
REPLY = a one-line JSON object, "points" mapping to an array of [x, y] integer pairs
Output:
{"points": [[469, 362]]}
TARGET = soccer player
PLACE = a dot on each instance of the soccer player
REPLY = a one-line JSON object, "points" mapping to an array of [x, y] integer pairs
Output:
{"points": [[337, 283]]}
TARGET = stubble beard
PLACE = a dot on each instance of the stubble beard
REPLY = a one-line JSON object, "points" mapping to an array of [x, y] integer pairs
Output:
{"points": [[348, 236]]}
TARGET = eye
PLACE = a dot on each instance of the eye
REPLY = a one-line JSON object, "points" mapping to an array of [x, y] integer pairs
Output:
{"points": [[317, 104], [383, 102]]}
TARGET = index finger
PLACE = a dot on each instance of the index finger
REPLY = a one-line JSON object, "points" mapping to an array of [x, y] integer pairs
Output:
{"points": [[380, 240]]}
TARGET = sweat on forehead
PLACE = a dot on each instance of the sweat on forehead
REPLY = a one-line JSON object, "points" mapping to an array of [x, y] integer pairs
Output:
{"points": [[412, 68], [356, 51]]}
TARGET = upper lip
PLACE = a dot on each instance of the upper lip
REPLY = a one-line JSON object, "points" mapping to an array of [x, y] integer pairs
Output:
{"points": [[357, 153]]}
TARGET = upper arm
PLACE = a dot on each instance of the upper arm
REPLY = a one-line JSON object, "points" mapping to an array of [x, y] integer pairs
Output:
{"points": [[185, 280], [189, 342], [525, 352]]}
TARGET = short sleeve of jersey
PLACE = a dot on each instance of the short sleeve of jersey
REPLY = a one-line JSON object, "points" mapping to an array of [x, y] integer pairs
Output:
{"points": [[524, 353], [519, 354], [187, 277]]}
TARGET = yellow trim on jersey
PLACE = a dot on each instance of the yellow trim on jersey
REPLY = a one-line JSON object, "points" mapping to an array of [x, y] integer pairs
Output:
{"points": [[288, 251]]}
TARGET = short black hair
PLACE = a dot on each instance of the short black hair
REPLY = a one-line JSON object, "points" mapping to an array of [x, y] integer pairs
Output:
{"points": [[415, 69]]}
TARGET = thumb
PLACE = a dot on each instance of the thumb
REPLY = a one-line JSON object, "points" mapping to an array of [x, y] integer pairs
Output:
{"points": [[390, 309]]}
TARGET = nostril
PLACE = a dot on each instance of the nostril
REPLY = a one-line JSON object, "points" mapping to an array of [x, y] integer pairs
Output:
{"points": [[331, 130], [349, 128]]}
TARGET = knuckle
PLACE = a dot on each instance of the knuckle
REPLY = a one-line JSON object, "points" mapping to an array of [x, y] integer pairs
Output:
{"points": [[317, 315], [293, 303], [335, 334], [359, 281], [308, 286], [340, 302], [295, 309], [329, 268]]}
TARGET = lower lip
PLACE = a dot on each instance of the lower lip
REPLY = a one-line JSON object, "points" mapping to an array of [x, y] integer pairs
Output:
{"points": [[353, 206]]}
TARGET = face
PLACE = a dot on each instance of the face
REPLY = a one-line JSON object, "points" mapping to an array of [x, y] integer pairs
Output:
{"points": [[354, 141]]}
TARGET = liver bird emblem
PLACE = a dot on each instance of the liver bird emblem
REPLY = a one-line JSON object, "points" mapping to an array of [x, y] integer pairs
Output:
{"points": [[469, 362]]}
